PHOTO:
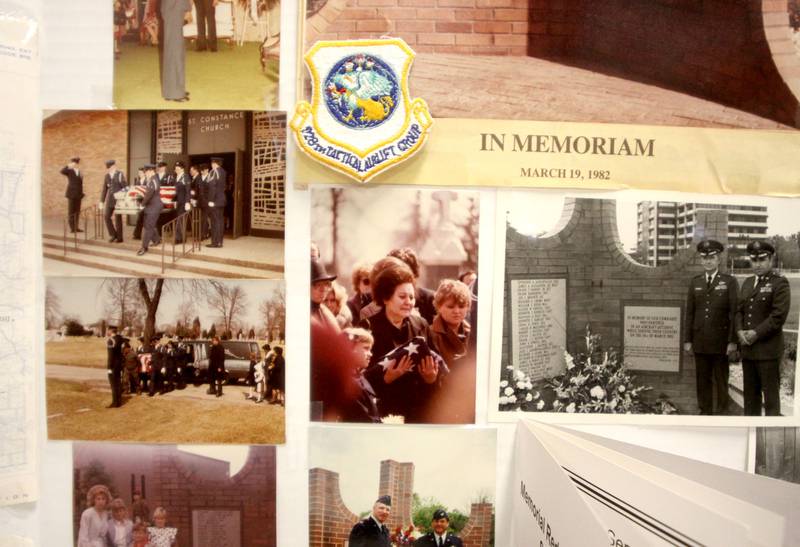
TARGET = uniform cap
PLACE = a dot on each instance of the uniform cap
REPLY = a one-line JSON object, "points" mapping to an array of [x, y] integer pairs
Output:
{"points": [[75, 159], [216, 159], [148, 167], [386, 500], [760, 249], [440, 514], [180, 164], [709, 247], [162, 164], [109, 163]]}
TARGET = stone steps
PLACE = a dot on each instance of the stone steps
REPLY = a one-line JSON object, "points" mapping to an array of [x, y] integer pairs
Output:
{"points": [[122, 259]]}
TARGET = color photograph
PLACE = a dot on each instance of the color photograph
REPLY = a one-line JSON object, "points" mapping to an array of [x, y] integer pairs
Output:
{"points": [[173, 496], [719, 63], [196, 53], [370, 487], [642, 303], [393, 305], [197, 194], [155, 360]]}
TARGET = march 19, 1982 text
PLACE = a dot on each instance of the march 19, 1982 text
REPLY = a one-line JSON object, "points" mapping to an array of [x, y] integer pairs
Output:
{"points": [[564, 173]]}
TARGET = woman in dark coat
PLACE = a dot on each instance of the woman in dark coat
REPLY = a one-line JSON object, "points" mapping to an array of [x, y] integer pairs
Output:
{"points": [[277, 377], [216, 367], [403, 387]]}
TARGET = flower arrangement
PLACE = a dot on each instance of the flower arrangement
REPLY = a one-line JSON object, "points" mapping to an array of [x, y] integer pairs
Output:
{"points": [[594, 382], [402, 537]]}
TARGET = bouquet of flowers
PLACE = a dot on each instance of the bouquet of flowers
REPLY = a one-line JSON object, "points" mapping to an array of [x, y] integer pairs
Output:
{"points": [[594, 381], [402, 537]]}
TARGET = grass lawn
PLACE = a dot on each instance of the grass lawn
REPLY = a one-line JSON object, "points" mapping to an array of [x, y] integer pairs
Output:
{"points": [[157, 419], [231, 78], [79, 351]]}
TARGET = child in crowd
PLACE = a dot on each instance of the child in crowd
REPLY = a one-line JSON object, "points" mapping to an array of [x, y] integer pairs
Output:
{"points": [[140, 535], [260, 382], [161, 535], [120, 527]]}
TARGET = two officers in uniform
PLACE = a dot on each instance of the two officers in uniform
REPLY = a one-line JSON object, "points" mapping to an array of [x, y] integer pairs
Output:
{"points": [[373, 532], [721, 319]]}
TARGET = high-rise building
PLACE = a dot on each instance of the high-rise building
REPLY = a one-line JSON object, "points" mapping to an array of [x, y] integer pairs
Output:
{"points": [[666, 227]]}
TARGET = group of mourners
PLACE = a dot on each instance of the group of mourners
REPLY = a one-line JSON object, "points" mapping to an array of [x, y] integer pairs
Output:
{"points": [[108, 522], [267, 377], [202, 186], [392, 350]]}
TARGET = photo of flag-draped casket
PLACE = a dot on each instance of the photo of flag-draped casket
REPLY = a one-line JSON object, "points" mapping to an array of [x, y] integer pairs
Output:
{"points": [[129, 201]]}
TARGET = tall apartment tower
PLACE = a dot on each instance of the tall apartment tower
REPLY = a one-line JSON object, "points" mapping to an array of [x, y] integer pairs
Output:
{"points": [[666, 227]]}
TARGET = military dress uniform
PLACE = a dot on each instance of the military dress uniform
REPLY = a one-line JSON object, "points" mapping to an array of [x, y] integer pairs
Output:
{"points": [[114, 364], [183, 183], [369, 533], [430, 540], [763, 308], [112, 183], [74, 193], [152, 209], [710, 310], [217, 180]]}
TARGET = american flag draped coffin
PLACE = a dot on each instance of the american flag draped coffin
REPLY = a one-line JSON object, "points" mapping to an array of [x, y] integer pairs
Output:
{"points": [[129, 201]]}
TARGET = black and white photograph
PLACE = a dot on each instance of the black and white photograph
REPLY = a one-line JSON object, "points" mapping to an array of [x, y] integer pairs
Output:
{"points": [[777, 453], [369, 487], [196, 53], [173, 496], [393, 305], [165, 360], [662, 305], [164, 193]]}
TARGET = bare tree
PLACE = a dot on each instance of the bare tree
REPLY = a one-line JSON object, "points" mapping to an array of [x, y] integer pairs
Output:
{"points": [[150, 291], [185, 314], [273, 311], [229, 301], [52, 308], [122, 302]]}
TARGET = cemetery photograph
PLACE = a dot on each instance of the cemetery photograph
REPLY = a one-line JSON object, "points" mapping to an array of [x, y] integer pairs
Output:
{"points": [[181, 496], [361, 477], [393, 305], [165, 360], [647, 304], [691, 64]]}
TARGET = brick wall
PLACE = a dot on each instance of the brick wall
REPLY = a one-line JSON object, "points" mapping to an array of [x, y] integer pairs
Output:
{"points": [[600, 276], [715, 49], [329, 520], [397, 480], [251, 491], [478, 27], [95, 136], [478, 531]]}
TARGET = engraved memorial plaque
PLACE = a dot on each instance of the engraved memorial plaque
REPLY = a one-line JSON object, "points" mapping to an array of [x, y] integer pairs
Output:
{"points": [[216, 528], [652, 338], [538, 326]]}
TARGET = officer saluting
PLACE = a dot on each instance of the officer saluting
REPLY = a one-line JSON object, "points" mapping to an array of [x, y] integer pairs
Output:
{"points": [[372, 531], [74, 193], [710, 310], [113, 182], [762, 311], [439, 536]]}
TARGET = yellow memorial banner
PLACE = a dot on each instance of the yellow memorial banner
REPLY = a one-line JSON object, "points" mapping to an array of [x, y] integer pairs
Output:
{"points": [[473, 152]]}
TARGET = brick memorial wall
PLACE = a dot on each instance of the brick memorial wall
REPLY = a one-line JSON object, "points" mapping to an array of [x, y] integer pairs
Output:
{"points": [[330, 520], [602, 280], [737, 53]]}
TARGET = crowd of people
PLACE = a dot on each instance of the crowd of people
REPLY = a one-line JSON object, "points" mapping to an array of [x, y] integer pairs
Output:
{"points": [[107, 522], [203, 187], [164, 364], [392, 350]]}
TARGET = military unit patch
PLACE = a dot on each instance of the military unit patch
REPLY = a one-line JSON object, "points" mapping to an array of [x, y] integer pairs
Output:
{"points": [[361, 120]]}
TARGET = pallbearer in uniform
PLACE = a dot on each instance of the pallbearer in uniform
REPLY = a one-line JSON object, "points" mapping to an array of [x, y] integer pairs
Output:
{"points": [[113, 182], [439, 536], [762, 311], [74, 193], [141, 180], [152, 209], [216, 201], [183, 185], [710, 310], [372, 531]]}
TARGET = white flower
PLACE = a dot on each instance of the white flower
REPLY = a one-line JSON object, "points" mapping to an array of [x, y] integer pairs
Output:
{"points": [[521, 385], [571, 408], [503, 383], [529, 397], [503, 400], [510, 367], [519, 375], [621, 389], [512, 398], [557, 404], [597, 392], [570, 360], [529, 385], [613, 404], [508, 390], [540, 405]]}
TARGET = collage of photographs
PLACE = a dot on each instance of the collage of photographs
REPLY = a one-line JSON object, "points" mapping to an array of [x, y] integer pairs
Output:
{"points": [[496, 362]]}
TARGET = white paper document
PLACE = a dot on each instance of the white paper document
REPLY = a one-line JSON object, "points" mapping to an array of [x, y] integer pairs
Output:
{"points": [[576, 489]]}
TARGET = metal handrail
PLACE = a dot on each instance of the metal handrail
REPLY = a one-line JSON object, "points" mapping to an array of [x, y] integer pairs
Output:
{"points": [[187, 219]]}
